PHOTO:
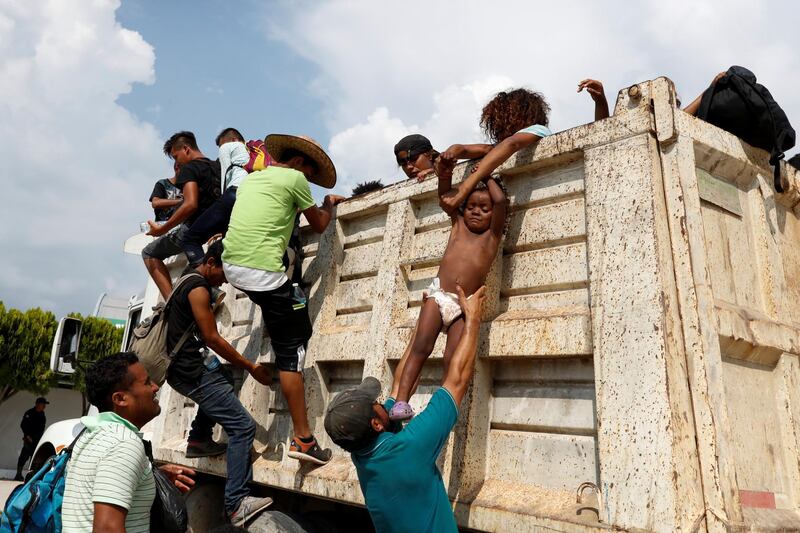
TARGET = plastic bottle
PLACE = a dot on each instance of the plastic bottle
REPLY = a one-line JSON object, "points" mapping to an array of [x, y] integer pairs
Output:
{"points": [[298, 294], [210, 360]]}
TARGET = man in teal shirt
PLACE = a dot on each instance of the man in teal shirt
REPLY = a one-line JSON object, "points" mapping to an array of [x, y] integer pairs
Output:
{"points": [[397, 470]]}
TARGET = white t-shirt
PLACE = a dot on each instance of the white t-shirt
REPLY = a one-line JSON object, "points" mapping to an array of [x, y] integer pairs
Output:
{"points": [[253, 279], [233, 152]]}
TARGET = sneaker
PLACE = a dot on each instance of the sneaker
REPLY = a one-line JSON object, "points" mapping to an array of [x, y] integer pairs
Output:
{"points": [[18, 477], [205, 448], [401, 411], [309, 452], [248, 508]]}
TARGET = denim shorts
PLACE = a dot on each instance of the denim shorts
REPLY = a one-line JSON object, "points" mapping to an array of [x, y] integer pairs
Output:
{"points": [[165, 245]]}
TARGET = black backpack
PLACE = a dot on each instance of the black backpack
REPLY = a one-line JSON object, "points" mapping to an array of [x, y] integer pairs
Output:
{"points": [[739, 105]]}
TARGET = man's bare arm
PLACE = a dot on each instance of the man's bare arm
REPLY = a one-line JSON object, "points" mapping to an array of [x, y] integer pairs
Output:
{"points": [[462, 363], [108, 518], [319, 217], [200, 301]]}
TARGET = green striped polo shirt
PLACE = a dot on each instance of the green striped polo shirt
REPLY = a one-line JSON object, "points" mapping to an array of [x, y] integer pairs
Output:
{"points": [[108, 465]]}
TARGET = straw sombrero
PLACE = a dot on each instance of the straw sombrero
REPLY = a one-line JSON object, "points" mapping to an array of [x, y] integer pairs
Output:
{"points": [[276, 143]]}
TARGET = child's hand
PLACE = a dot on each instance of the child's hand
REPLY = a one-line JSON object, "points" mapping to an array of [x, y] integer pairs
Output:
{"points": [[471, 307], [594, 88], [444, 167]]}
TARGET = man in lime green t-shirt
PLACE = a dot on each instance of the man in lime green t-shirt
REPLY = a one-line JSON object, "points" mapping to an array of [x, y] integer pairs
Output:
{"points": [[261, 224]]}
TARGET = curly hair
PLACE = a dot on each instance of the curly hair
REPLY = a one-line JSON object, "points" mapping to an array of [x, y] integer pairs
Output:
{"points": [[509, 112]]}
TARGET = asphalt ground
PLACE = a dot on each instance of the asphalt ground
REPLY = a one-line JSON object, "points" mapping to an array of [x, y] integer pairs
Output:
{"points": [[6, 487]]}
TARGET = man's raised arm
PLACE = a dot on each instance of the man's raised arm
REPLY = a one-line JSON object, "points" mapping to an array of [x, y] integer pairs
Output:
{"points": [[462, 364]]}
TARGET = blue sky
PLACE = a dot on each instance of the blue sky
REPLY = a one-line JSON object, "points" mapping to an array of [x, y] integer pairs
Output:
{"points": [[91, 90], [215, 68]]}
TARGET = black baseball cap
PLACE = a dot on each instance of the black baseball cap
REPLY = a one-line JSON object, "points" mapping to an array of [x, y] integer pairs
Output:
{"points": [[413, 144], [42, 399], [347, 420]]}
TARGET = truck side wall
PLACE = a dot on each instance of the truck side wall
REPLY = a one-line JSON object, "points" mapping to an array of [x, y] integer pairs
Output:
{"points": [[640, 333]]}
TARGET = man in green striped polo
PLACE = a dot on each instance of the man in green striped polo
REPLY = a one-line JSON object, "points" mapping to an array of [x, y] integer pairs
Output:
{"points": [[109, 485]]}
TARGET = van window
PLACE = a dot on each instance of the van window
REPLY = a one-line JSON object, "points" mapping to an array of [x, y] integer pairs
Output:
{"points": [[133, 320]]}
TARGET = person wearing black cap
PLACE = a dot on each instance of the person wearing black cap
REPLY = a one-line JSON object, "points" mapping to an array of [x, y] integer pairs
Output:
{"points": [[32, 425], [416, 156], [402, 486]]}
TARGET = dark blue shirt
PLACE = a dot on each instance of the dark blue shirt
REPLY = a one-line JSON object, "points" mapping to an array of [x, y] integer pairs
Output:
{"points": [[402, 486]]}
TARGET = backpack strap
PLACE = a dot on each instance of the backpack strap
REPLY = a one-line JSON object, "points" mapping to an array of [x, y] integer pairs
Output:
{"points": [[183, 279], [228, 172], [68, 449], [190, 329]]}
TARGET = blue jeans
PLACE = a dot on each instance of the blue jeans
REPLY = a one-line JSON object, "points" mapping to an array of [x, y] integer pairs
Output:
{"points": [[215, 397], [213, 220]]}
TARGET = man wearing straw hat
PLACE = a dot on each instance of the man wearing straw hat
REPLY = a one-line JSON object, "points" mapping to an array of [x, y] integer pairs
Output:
{"points": [[261, 225]]}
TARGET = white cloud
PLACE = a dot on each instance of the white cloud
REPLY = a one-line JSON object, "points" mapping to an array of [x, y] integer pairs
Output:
{"points": [[76, 164], [384, 69], [363, 151]]}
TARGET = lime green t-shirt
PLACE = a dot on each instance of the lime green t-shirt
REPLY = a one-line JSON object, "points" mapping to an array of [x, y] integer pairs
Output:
{"points": [[263, 217]]}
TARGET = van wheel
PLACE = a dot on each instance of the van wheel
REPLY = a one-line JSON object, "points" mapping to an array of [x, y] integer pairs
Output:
{"points": [[205, 506], [273, 521], [42, 455]]}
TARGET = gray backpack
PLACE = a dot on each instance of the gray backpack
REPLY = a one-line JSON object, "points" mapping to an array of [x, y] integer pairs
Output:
{"points": [[150, 338]]}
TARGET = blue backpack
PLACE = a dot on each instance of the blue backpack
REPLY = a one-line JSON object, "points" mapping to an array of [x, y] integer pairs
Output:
{"points": [[35, 507]]}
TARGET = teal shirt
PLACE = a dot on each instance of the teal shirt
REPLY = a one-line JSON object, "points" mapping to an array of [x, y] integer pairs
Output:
{"points": [[402, 486]]}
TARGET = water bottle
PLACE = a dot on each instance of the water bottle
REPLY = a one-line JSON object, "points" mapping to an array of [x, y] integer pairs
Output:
{"points": [[210, 360], [298, 294]]}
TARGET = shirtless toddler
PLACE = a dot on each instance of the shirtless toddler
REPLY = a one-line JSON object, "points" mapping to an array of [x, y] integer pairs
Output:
{"points": [[475, 235]]}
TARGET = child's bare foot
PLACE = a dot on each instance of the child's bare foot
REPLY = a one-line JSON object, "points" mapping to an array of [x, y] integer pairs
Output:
{"points": [[401, 411]]}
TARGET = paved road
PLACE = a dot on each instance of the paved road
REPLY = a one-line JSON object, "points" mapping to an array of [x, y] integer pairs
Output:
{"points": [[5, 489]]}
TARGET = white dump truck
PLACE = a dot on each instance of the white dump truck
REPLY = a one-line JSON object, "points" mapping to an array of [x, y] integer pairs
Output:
{"points": [[638, 362]]}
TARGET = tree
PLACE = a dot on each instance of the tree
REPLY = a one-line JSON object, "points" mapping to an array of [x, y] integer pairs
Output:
{"points": [[25, 343], [99, 338]]}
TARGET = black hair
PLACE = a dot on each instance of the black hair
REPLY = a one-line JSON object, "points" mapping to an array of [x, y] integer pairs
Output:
{"points": [[229, 132], [289, 153], [107, 376], [178, 140], [214, 251], [482, 186], [367, 186]]}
